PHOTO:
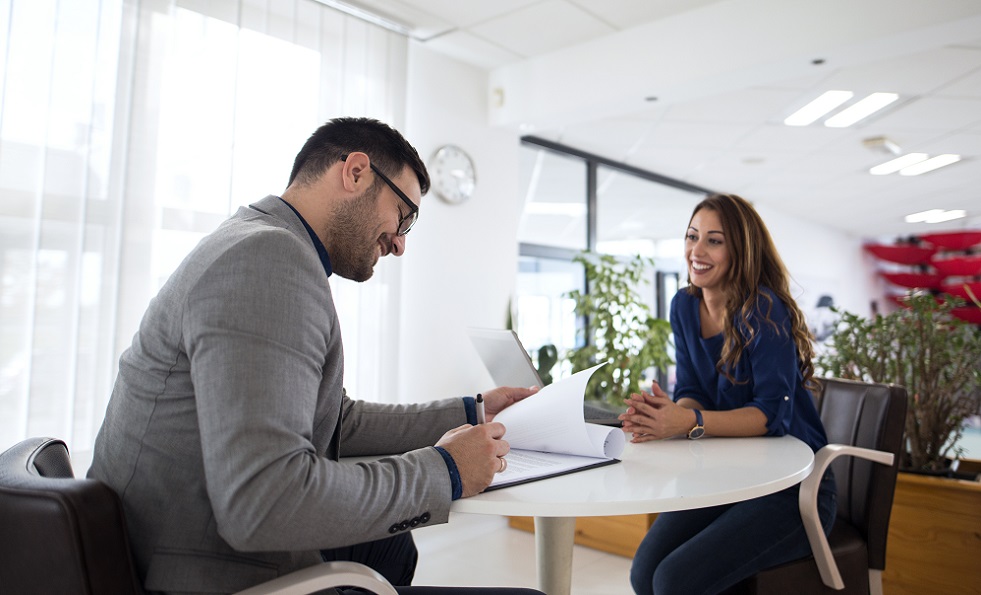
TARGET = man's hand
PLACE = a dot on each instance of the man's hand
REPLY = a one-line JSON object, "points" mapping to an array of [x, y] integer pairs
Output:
{"points": [[498, 399], [477, 452], [653, 415]]}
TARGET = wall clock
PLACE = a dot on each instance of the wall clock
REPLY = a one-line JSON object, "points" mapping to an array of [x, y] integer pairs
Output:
{"points": [[453, 174]]}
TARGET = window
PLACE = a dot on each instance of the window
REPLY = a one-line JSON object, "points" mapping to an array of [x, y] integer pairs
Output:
{"points": [[544, 314], [577, 201], [128, 131]]}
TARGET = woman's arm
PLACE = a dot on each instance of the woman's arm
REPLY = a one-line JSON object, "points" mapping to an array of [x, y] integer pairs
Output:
{"points": [[745, 421], [771, 357]]}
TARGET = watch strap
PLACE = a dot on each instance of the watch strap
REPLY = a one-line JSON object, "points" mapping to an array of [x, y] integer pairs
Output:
{"points": [[699, 428]]}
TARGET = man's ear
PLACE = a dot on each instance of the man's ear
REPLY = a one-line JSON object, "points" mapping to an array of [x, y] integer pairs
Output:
{"points": [[354, 172]]}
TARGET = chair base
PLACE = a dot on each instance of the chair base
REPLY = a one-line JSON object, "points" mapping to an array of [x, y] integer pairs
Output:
{"points": [[801, 577]]}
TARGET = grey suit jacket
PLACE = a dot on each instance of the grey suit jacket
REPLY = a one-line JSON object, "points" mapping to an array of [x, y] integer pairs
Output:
{"points": [[228, 416]]}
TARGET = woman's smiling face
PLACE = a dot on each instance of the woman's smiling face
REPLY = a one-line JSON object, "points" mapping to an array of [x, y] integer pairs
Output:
{"points": [[706, 252]]}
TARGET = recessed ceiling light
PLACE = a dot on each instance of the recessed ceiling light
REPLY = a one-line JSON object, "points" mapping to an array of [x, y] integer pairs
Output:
{"points": [[861, 110], [929, 165], [828, 101], [935, 216], [898, 163]]}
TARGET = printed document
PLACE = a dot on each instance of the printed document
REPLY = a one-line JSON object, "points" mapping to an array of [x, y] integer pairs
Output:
{"points": [[549, 437]]}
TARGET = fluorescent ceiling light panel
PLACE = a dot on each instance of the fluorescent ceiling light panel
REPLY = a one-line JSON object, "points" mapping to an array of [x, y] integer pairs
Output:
{"points": [[929, 165], [898, 163], [922, 216], [935, 216], [860, 110], [817, 108]]}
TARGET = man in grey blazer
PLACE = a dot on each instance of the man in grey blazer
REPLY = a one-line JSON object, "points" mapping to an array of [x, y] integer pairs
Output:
{"points": [[228, 416]]}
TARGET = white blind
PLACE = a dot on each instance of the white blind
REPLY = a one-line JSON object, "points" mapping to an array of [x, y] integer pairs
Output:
{"points": [[130, 129]]}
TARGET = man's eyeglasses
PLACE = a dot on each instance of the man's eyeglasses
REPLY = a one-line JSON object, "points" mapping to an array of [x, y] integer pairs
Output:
{"points": [[407, 221]]}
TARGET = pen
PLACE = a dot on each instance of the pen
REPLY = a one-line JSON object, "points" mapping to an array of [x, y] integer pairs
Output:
{"points": [[480, 409]]}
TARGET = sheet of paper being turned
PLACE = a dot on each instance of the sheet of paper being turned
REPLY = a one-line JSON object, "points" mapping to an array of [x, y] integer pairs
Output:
{"points": [[552, 421]]}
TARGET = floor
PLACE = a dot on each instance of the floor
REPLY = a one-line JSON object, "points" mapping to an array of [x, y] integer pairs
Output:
{"points": [[481, 550]]}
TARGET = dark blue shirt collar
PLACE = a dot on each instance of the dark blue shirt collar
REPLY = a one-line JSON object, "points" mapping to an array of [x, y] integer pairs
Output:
{"points": [[321, 250]]}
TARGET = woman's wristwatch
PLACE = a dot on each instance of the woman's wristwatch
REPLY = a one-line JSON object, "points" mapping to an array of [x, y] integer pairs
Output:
{"points": [[699, 429]]}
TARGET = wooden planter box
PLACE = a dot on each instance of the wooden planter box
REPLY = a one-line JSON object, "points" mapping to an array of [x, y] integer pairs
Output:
{"points": [[934, 534], [934, 541]]}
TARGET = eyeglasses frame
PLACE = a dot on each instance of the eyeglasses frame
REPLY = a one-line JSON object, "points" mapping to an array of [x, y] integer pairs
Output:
{"points": [[413, 215]]}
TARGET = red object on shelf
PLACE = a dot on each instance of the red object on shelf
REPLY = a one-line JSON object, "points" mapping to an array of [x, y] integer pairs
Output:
{"points": [[902, 254], [959, 266], [913, 280], [957, 289], [970, 314], [957, 240]]}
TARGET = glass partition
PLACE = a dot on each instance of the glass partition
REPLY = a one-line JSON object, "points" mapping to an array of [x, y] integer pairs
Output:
{"points": [[639, 216], [543, 313], [555, 212]]}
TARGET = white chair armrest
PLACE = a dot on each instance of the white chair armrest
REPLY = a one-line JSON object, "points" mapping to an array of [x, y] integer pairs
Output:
{"points": [[808, 506], [324, 576]]}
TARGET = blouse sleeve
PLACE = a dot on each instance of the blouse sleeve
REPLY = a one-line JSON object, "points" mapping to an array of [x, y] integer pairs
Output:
{"points": [[772, 357]]}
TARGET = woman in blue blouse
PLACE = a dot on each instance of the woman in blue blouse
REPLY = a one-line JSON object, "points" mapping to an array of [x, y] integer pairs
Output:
{"points": [[743, 354]]}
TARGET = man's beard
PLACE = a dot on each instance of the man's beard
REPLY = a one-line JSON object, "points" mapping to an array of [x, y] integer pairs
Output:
{"points": [[353, 253]]}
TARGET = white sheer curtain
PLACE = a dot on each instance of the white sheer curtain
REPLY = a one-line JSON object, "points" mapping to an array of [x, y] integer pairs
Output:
{"points": [[130, 129]]}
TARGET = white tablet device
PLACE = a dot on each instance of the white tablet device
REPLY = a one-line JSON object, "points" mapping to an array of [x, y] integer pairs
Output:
{"points": [[504, 357]]}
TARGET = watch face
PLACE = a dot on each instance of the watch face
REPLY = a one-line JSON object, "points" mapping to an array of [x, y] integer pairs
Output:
{"points": [[453, 174], [696, 432]]}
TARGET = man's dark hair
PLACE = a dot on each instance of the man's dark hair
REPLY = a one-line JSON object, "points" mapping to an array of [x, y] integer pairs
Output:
{"points": [[388, 150]]}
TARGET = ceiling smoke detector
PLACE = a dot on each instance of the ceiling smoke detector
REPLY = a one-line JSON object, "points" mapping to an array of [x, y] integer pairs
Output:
{"points": [[881, 144]]}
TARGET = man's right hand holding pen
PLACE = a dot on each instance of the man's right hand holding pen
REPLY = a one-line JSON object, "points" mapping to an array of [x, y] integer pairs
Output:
{"points": [[478, 451]]}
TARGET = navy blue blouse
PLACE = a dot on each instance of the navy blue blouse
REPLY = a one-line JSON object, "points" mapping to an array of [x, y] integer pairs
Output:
{"points": [[767, 376]]}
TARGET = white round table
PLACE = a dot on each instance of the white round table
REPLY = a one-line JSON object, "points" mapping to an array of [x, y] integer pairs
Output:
{"points": [[659, 476]]}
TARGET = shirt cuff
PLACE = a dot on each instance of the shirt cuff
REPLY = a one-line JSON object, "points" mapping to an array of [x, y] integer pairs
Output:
{"points": [[455, 482], [470, 405]]}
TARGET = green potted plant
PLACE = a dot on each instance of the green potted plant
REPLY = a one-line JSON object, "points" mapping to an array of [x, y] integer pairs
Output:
{"points": [[622, 331], [925, 349]]}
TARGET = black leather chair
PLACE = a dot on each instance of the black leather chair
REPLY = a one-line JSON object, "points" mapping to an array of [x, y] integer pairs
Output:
{"points": [[59, 534], [866, 422]]}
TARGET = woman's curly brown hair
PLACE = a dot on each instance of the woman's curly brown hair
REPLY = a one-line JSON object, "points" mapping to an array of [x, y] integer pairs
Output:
{"points": [[754, 263]]}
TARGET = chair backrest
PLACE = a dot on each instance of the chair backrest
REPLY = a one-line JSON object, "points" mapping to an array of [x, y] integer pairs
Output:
{"points": [[59, 534], [872, 416]]}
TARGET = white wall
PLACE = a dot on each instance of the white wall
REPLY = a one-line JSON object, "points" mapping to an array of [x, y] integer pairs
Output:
{"points": [[823, 261], [461, 260], [460, 265]]}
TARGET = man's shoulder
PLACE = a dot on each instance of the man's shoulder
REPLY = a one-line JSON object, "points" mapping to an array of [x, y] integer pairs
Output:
{"points": [[259, 231], [249, 246]]}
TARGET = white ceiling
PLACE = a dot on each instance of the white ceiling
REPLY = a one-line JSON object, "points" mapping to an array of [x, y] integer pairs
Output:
{"points": [[725, 73]]}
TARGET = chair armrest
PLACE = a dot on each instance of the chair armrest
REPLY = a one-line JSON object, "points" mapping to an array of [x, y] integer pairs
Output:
{"points": [[324, 576], [808, 506]]}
